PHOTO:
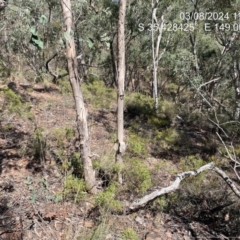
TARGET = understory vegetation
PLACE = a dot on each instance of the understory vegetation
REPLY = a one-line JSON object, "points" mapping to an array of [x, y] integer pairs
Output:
{"points": [[193, 120], [150, 137]]}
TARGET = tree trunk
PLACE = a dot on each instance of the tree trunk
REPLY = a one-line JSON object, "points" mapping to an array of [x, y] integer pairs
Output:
{"points": [[156, 55], [237, 88], [81, 111], [81, 55], [114, 64], [155, 85], [120, 150]]}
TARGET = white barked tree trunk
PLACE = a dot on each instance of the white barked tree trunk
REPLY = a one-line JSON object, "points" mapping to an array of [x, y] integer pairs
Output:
{"points": [[81, 110]]}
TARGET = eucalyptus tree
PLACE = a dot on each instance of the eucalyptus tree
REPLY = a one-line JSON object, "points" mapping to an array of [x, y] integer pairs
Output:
{"points": [[81, 110], [121, 146], [156, 55], [162, 27], [214, 47], [98, 38], [96, 45], [138, 47]]}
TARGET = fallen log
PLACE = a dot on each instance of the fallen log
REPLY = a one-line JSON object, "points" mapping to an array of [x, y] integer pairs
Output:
{"points": [[139, 203]]}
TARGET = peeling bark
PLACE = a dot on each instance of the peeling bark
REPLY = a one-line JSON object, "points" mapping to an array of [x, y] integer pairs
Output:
{"points": [[121, 79], [81, 110]]}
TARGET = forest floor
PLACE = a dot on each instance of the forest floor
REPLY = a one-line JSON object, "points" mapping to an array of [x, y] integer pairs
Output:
{"points": [[29, 185]]}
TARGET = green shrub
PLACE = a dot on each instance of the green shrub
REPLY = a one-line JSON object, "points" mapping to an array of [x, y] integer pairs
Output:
{"points": [[106, 168], [167, 109], [192, 162], [15, 104], [74, 188], [129, 234], [70, 163], [162, 203], [138, 177], [139, 105], [62, 134], [158, 122], [99, 95], [39, 189], [105, 162], [137, 145], [165, 202], [76, 164], [172, 87], [106, 199], [167, 138], [65, 86], [141, 108], [39, 144], [166, 166]]}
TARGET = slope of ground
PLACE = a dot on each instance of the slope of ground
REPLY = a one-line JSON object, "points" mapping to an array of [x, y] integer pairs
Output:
{"points": [[33, 149]]}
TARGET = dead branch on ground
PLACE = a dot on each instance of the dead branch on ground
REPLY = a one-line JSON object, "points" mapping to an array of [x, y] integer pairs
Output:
{"points": [[139, 203]]}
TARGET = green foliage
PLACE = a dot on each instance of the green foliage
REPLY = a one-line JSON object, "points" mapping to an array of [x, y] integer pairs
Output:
{"points": [[74, 188], [167, 138], [70, 163], [192, 162], [206, 47], [231, 150], [138, 177], [38, 188], [69, 132], [165, 115], [66, 165], [136, 145], [105, 162], [158, 122], [141, 108], [76, 164], [106, 199], [13, 99], [65, 85], [171, 87], [106, 167], [15, 104], [98, 94], [129, 234], [31, 188], [164, 203], [163, 165], [139, 105], [167, 109], [183, 65], [62, 135], [35, 39], [39, 144]]}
